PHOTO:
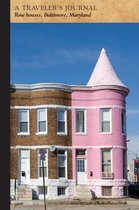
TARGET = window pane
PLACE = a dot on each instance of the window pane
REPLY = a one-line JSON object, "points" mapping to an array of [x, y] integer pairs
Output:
{"points": [[23, 127], [81, 165], [23, 116], [105, 126], [80, 116], [61, 115], [42, 115], [61, 172], [106, 156], [42, 126], [106, 114], [79, 121], [80, 127], [61, 126], [61, 161]]}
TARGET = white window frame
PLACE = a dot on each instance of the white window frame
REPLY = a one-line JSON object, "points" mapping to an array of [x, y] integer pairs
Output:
{"points": [[46, 160], [62, 155], [19, 120], [46, 130], [123, 121], [77, 132], [65, 120], [101, 120]]}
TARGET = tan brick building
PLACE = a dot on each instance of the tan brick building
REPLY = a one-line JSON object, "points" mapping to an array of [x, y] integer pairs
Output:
{"points": [[41, 123]]}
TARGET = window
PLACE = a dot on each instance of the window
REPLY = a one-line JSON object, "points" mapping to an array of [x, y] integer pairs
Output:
{"points": [[23, 117], [105, 120], [62, 162], [61, 191], [123, 117], [124, 164], [42, 163], [41, 121], [107, 191], [41, 190], [80, 121], [62, 121], [106, 163]]}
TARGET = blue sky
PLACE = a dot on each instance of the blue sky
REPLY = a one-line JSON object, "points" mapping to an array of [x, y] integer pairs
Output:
{"points": [[67, 53]]}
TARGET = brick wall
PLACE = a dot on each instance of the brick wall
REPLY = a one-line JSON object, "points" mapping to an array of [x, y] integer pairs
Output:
{"points": [[46, 97]]}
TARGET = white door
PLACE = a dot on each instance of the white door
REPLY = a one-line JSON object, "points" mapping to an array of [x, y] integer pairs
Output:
{"points": [[24, 167], [81, 171]]}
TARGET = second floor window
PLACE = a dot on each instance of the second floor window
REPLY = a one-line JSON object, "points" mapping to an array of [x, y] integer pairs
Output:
{"points": [[41, 121], [105, 120], [23, 117], [62, 121], [80, 121]]}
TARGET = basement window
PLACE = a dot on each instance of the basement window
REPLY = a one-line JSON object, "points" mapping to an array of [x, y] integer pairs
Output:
{"points": [[61, 191], [41, 190], [107, 191]]}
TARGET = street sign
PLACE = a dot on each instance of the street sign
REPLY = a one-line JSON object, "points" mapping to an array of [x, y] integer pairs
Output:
{"points": [[42, 154]]}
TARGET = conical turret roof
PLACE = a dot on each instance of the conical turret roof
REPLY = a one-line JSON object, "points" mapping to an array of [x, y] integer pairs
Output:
{"points": [[104, 74]]}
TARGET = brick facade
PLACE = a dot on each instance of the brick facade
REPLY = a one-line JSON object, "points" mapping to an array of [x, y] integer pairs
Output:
{"points": [[33, 141]]}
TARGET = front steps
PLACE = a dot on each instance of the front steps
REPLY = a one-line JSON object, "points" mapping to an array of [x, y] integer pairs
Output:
{"points": [[83, 192], [24, 192]]}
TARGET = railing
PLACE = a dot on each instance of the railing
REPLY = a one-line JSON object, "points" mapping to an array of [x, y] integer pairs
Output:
{"points": [[107, 175]]}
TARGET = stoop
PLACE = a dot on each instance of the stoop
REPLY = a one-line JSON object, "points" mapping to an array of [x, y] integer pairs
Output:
{"points": [[24, 192], [83, 192]]}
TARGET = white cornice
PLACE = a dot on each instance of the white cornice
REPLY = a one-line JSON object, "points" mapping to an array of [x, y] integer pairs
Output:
{"points": [[68, 147], [56, 106]]}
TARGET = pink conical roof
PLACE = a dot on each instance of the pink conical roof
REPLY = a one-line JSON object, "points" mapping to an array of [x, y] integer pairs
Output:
{"points": [[103, 73]]}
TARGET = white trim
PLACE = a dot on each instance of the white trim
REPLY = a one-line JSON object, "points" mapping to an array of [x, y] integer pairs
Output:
{"points": [[68, 147], [44, 106], [56, 106]]}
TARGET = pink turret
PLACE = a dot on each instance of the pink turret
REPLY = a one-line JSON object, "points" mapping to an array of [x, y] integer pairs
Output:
{"points": [[99, 132]]}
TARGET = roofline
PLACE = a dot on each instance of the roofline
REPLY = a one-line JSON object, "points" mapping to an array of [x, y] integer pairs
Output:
{"points": [[40, 87], [64, 87]]}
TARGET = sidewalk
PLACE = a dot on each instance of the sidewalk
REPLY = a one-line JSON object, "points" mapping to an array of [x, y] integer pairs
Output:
{"points": [[73, 202]]}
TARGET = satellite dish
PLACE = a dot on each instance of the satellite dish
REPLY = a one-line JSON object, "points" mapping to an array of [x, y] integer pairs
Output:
{"points": [[52, 148]]}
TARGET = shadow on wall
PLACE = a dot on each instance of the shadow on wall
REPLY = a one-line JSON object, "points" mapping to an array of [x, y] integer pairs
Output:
{"points": [[34, 194], [93, 194]]}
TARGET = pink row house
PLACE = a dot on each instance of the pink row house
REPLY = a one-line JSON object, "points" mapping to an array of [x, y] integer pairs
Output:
{"points": [[99, 133]]}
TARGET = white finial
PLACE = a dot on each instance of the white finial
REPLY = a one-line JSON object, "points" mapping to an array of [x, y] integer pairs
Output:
{"points": [[103, 50]]}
